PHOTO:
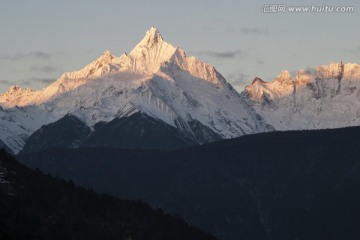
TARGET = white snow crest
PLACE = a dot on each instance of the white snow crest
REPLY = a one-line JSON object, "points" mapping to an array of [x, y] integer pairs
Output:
{"points": [[324, 98]]}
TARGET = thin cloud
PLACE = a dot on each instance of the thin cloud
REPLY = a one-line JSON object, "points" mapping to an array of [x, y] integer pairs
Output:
{"points": [[222, 55], [355, 50], [20, 56], [243, 30], [28, 82], [25, 83], [6, 82], [230, 29], [238, 78], [310, 70], [254, 30], [42, 80], [45, 69]]}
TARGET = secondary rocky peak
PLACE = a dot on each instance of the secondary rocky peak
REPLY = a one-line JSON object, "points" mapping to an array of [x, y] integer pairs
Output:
{"points": [[107, 54], [14, 88], [257, 80], [284, 74], [17, 89], [284, 77], [91, 69], [105, 58], [333, 70]]}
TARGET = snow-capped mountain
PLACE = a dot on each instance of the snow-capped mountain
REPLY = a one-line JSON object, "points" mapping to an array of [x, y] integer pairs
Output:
{"points": [[328, 97], [155, 78]]}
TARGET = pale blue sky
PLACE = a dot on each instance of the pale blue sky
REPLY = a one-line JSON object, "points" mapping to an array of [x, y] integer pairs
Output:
{"points": [[40, 39]]}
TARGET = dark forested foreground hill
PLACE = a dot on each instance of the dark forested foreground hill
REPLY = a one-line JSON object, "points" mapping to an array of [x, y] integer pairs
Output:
{"points": [[36, 206], [281, 185]]}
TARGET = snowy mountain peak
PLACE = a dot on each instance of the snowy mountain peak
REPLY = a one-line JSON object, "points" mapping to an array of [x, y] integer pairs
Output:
{"points": [[150, 53], [155, 78], [151, 38]]}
